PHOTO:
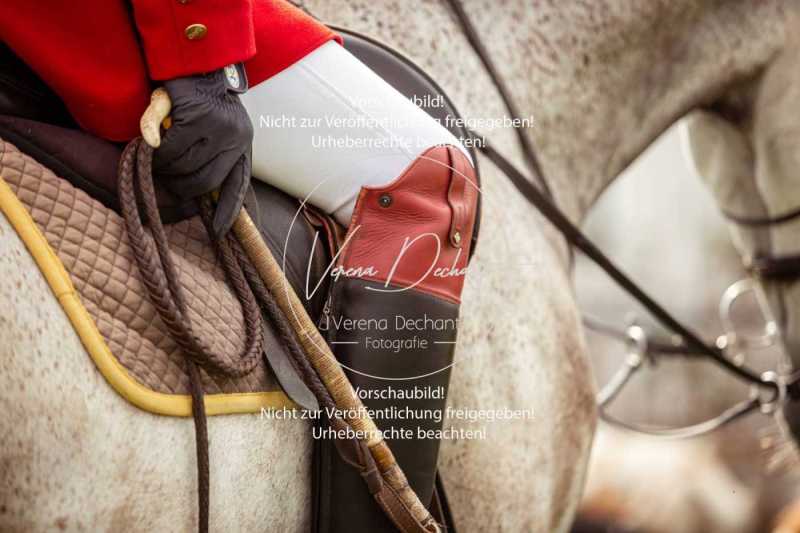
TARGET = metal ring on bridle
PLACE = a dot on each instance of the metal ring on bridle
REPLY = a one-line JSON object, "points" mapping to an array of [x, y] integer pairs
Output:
{"points": [[766, 396], [769, 402], [734, 338], [637, 341]]}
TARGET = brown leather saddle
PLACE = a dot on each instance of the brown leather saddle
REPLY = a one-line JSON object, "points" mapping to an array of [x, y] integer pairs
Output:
{"points": [[34, 120]]}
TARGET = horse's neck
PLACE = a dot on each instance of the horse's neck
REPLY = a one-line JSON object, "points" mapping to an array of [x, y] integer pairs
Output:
{"points": [[609, 77], [602, 79]]}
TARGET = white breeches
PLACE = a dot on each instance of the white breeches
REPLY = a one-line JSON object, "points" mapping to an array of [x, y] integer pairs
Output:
{"points": [[328, 125]]}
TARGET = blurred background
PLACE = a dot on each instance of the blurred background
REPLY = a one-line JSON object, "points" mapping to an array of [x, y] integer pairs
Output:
{"points": [[662, 227]]}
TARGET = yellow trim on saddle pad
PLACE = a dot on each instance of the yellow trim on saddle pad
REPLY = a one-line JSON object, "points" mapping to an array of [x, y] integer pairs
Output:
{"points": [[117, 376]]}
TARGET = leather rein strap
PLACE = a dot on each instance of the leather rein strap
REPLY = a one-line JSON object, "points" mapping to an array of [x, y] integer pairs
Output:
{"points": [[260, 286], [477, 45], [780, 268], [160, 278]]}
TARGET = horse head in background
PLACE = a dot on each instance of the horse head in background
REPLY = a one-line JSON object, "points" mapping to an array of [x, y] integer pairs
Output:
{"points": [[746, 147]]}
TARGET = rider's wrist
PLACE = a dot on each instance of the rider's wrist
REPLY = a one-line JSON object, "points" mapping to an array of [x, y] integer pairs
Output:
{"points": [[235, 77]]}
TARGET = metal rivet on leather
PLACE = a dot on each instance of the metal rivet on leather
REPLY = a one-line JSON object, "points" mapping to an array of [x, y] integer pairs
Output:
{"points": [[195, 31], [385, 200], [457, 237]]}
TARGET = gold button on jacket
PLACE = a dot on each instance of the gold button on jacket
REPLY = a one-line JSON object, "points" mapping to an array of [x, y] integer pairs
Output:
{"points": [[195, 31]]}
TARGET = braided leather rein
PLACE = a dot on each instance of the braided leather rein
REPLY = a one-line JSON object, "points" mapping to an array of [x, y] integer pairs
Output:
{"points": [[247, 264], [164, 290]]}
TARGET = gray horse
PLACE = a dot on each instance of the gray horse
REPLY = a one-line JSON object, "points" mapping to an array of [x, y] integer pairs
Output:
{"points": [[602, 79]]}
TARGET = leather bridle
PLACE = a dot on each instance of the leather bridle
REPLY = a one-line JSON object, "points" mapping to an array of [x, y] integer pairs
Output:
{"points": [[765, 267], [769, 389]]}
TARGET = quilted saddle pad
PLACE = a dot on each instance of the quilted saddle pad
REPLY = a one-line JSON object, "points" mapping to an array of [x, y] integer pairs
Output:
{"points": [[82, 249]]}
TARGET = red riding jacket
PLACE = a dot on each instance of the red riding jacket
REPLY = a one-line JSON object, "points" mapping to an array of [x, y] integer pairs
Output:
{"points": [[100, 55]]}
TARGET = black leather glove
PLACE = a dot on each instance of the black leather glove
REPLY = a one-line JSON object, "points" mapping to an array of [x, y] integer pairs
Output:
{"points": [[209, 144]]}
